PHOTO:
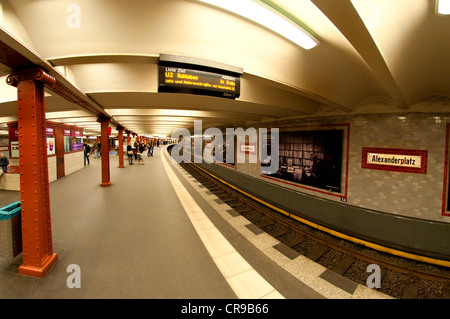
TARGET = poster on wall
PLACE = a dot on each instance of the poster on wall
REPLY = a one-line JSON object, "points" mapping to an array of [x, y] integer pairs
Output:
{"points": [[77, 141], [14, 148], [312, 158], [49, 131], [50, 145], [77, 147], [67, 140]]}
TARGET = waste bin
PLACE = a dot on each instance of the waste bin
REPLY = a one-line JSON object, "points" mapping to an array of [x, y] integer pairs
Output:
{"points": [[10, 230]]}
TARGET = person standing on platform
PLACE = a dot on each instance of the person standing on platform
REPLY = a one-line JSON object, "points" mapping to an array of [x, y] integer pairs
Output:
{"points": [[87, 153], [130, 154], [149, 148], [95, 147], [4, 162], [135, 148], [140, 150]]}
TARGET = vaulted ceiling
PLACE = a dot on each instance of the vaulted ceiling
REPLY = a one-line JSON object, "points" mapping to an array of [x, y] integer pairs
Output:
{"points": [[374, 56]]}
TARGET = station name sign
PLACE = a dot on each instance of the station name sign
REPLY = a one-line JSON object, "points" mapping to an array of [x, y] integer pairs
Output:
{"points": [[248, 148], [394, 160], [400, 160]]}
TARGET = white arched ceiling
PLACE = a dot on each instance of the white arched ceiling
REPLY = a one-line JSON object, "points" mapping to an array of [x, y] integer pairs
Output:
{"points": [[373, 56]]}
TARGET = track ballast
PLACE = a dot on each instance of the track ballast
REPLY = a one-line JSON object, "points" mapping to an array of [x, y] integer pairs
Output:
{"points": [[400, 278]]}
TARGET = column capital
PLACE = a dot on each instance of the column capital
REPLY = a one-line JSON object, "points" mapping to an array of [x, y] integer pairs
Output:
{"points": [[104, 119], [119, 127], [36, 74]]}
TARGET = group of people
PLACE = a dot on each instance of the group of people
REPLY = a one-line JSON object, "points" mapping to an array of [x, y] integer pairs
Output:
{"points": [[137, 150]]}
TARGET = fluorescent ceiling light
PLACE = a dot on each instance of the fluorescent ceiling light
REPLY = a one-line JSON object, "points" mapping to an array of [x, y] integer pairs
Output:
{"points": [[443, 6], [261, 14]]}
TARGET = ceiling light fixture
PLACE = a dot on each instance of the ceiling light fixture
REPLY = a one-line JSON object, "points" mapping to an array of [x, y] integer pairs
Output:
{"points": [[443, 6], [267, 17]]}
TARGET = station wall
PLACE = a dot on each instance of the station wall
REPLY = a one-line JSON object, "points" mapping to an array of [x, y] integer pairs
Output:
{"points": [[72, 162], [419, 192]]}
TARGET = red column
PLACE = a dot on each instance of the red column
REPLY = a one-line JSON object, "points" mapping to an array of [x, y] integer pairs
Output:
{"points": [[120, 130], [38, 256], [128, 137], [105, 151]]}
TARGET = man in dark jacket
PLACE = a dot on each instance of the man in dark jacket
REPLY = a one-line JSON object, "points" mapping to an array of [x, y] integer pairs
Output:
{"points": [[140, 150], [130, 154], [4, 162], [87, 153]]}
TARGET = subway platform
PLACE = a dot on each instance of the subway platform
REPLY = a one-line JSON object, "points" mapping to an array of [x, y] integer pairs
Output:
{"points": [[155, 233]]}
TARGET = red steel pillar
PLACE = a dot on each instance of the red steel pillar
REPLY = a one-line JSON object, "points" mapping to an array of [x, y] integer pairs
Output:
{"points": [[128, 137], [38, 255], [105, 151], [120, 135]]}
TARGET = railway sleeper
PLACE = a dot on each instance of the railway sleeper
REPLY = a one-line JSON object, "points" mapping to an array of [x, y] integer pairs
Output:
{"points": [[252, 217], [265, 223], [228, 199], [410, 291], [279, 232], [221, 193], [446, 293], [316, 253], [343, 265], [295, 241], [241, 209], [205, 182]]}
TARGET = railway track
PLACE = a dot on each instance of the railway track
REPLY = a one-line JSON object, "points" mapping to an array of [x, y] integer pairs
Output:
{"points": [[400, 278]]}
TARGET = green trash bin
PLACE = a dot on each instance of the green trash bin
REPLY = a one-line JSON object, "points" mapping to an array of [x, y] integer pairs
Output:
{"points": [[10, 230]]}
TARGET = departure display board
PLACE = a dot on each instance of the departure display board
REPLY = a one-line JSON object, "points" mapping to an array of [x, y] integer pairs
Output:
{"points": [[182, 80]]}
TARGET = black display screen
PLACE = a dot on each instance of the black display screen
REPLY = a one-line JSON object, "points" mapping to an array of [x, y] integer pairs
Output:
{"points": [[182, 80]]}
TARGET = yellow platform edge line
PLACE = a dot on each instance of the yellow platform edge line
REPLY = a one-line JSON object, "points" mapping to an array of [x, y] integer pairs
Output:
{"points": [[429, 260]]}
